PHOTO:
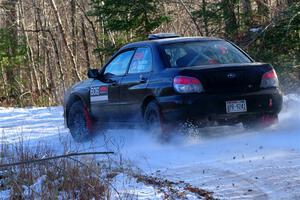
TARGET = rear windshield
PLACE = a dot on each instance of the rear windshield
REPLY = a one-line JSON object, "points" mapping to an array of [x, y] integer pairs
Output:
{"points": [[189, 54]]}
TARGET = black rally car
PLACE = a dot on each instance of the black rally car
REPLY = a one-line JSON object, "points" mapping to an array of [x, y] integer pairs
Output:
{"points": [[170, 79]]}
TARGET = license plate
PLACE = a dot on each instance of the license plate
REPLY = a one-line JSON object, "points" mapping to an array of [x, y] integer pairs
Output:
{"points": [[236, 106]]}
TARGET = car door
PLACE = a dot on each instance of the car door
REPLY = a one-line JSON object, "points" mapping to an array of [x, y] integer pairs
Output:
{"points": [[134, 84], [105, 93]]}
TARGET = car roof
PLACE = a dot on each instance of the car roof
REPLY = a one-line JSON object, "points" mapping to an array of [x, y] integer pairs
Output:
{"points": [[169, 41]]}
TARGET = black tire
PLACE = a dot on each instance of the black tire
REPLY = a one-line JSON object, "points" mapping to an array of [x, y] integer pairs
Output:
{"points": [[261, 122], [153, 118], [79, 123], [251, 125]]}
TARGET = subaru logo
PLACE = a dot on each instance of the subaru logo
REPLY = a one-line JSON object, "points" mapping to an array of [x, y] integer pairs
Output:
{"points": [[231, 75]]}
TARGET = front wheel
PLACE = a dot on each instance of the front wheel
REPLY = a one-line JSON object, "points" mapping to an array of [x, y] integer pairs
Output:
{"points": [[79, 122]]}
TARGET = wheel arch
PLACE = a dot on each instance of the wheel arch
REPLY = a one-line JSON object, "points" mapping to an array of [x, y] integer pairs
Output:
{"points": [[72, 99], [146, 101]]}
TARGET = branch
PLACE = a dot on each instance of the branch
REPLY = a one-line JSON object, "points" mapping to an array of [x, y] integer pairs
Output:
{"points": [[291, 20], [93, 171], [272, 22], [34, 30], [259, 34], [193, 19], [4, 166]]}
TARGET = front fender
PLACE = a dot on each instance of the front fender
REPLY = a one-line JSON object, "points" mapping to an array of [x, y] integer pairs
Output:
{"points": [[78, 92]]}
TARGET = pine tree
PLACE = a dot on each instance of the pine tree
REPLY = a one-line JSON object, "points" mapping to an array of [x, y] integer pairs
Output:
{"points": [[126, 21]]}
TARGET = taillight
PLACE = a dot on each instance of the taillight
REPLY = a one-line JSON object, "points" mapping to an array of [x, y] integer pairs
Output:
{"points": [[269, 79], [184, 84]]}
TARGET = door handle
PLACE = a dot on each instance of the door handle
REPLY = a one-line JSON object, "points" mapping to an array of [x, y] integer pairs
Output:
{"points": [[114, 83], [143, 79]]}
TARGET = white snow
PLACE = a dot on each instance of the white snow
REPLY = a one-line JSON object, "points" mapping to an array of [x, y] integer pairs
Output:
{"points": [[128, 188], [36, 187], [231, 162], [5, 194]]}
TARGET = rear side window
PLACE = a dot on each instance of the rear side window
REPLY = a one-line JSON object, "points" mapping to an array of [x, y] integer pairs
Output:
{"points": [[141, 62], [203, 53], [118, 66]]}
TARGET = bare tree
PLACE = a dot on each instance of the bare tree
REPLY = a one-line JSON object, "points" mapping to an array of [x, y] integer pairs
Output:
{"points": [[192, 17], [64, 37]]}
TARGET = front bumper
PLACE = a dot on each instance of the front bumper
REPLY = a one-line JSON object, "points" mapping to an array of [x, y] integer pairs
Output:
{"points": [[212, 107]]}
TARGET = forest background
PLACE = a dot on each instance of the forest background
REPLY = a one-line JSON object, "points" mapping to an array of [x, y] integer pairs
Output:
{"points": [[48, 45]]}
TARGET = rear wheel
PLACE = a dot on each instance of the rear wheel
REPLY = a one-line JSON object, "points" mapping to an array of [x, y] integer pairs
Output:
{"points": [[152, 116], [261, 122], [153, 119], [79, 122]]}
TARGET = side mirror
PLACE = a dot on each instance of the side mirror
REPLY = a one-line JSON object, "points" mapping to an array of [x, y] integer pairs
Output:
{"points": [[93, 73]]}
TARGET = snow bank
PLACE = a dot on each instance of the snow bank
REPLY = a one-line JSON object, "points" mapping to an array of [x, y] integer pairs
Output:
{"points": [[230, 161]]}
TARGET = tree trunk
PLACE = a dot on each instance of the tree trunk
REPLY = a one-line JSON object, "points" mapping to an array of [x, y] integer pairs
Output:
{"points": [[36, 81], [95, 34], [11, 26], [193, 19], [247, 12], [231, 27], [74, 30], [205, 20], [64, 37], [263, 10], [85, 45], [44, 42], [290, 2]]}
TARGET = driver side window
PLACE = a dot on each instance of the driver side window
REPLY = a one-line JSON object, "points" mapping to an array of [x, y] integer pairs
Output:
{"points": [[119, 64]]}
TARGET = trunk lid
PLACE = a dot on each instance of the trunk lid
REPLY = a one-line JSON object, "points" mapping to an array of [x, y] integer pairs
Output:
{"points": [[228, 78]]}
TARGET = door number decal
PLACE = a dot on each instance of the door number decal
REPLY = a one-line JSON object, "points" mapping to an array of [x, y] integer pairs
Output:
{"points": [[99, 93]]}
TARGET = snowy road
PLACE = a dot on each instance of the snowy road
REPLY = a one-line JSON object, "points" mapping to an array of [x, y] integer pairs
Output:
{"points": [[229, 161]]}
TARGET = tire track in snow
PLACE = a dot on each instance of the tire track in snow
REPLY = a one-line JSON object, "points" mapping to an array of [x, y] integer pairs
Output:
{"points": [[261, 180]]}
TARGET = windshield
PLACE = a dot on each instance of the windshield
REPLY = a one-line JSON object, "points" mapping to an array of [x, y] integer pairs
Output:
{"points": [[189, 54]]}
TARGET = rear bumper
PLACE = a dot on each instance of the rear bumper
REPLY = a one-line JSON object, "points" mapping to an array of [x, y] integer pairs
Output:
{"points": [[213, 107]]}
